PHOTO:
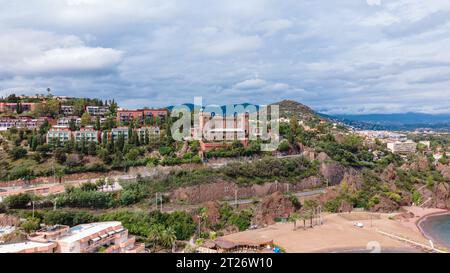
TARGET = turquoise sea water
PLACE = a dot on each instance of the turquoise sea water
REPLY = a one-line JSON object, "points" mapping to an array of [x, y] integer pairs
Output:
{"points": [[438, 228]]}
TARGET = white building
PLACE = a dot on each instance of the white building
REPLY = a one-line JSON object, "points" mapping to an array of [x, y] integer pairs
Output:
{"points": [[402, 147]]}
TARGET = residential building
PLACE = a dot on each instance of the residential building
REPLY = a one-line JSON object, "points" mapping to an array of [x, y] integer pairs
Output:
{"points": [[218, 128], [150, 131], [120, 131], [20, 123], [426, 143], [67, 110], [29, 247], [141, 115], [59, 134], [66, 121], [402, 147], [12, 106], [97, 110], [104, 237], [88, 134]]}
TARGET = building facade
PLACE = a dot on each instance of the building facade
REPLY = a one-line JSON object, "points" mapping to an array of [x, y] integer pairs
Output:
{"points": [[141, 115], [405, 147], [97, 110], [103, 237]]}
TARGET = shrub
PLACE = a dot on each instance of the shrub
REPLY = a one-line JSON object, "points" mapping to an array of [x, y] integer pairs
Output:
{"points": [[30, 225], [77, 198], [18, 153], [68, 218], [18, 201]]}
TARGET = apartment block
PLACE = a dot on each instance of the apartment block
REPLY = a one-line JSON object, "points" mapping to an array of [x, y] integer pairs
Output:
{"points": [[12, 106], [150, 131], [103, 237], [59, 134], [97, 110], [120, 131], [88, 134], [67, 110], [405, 147], [141, 115]]}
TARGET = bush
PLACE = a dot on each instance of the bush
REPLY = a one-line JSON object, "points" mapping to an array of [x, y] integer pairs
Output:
{"points": [[18, 153], [68, 218], [30, 225], [77, 198], [2, 208], [19, 201]]}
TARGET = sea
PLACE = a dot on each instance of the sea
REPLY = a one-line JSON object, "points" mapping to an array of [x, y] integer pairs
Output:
{"points": [[437, 228]]}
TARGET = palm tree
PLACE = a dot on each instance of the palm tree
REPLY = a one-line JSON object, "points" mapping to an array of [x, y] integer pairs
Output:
{"points": [[294, 217]]}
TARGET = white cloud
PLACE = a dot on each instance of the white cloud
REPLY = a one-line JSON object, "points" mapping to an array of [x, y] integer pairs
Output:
{"points": [[373, 2], [341, 55], [38, 53]]}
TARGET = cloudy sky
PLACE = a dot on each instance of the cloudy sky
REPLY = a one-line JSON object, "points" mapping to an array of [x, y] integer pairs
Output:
{"points": [[346, 56]]}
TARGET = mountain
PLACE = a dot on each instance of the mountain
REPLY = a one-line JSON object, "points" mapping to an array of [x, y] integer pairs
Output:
{"points": [[403, 121], [289, 108]]}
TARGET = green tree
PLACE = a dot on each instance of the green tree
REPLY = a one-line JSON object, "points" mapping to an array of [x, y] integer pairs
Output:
{"points": [[86, 119]]}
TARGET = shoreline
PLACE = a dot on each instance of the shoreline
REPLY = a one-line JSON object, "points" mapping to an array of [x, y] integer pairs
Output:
{"points": [[427, 235], [339, 234]]}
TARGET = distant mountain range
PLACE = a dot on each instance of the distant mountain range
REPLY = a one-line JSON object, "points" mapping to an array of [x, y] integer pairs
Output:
{"points": [[404, 121], [399, 122]]}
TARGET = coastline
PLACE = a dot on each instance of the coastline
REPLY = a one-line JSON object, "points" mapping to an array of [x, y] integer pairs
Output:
{"points": [[382, 232], [423, 219]]}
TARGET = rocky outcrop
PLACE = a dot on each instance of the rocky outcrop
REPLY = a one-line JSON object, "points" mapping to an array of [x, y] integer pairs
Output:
{"points": [[213, 212], [444, 170], [273, 206], [389, 174], [385, 205], [224, 190], [442, 193], [421, 164], [333, 172]]}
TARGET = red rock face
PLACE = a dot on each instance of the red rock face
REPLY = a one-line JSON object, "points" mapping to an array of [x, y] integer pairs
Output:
{"points": [[223, 190], [273, 206], [385, 205], [443, 196]]}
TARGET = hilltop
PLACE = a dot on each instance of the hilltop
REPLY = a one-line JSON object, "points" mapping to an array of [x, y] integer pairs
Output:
{"points": [[289, 108]]}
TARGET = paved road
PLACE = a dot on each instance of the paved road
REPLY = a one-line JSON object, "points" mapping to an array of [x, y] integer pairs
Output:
{"points": [[298, 194]]}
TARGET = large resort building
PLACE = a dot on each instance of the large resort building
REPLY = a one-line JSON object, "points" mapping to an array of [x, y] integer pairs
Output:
{"points": [[103, 237]]}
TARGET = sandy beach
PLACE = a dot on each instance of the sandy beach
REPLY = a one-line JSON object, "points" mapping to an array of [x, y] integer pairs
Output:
{"points": [[381, 232]]}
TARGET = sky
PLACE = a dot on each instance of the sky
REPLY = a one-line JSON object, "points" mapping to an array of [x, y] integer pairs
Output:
{"points": [[339, 57]]}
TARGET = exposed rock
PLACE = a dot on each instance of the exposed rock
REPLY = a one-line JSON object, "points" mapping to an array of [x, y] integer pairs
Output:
{"points": [[333, 172], [385, 205], [322, 157], [351, 182], [444, 170], [222, 190], [404, 216], [273, 206], [213, 212], [389, 174], [443, 196], [423, 164], [345, 207]]}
